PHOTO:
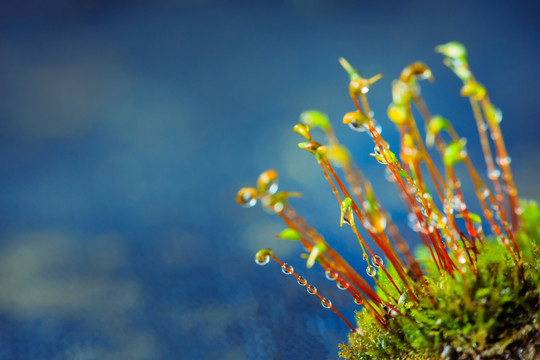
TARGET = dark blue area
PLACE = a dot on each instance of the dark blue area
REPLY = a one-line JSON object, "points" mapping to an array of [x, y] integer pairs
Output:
{"points": [[126, 129]]}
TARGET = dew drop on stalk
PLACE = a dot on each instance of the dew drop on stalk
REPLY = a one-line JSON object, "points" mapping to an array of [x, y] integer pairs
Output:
{"points": [[371, 271], [377, 261], [494, 174], [504, 160], [311, 289], [412, 221], [331, 275], [388, 175], [484, 192], [287, 269], [358, 301], [357, 127], [327, 304], [301, 281], [342, 285], [262, 260]]}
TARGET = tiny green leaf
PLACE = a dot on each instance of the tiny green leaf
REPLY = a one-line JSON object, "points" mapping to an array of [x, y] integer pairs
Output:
{"points": [[314, 118], [289, 234], [455, 152]]}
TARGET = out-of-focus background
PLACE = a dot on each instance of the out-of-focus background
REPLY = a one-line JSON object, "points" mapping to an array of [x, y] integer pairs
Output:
{"points": [[126, 128]]}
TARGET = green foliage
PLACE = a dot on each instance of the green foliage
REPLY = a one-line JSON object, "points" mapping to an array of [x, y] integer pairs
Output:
{"points": [[467, 316]]}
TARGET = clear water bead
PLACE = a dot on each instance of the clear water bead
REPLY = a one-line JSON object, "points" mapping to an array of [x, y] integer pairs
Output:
{"points": [[301, 281], [504, 161], [331, 275], [494, 174], [342, 285], [311, 289], [412, 221], [287, 269], [327, 304], [371, 271], [358, 301], [388, 175], [357, 127], [262, 260], [377, 261]]}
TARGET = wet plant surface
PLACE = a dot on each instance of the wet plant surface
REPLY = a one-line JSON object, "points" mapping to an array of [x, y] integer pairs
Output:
{"points": [[463, 295]]}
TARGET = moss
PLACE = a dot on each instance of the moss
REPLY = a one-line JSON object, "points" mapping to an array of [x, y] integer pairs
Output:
{"points": [[493, 314]]}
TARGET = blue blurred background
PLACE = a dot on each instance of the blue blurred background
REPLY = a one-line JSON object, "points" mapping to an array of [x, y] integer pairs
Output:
{"points": [[126, 128]]}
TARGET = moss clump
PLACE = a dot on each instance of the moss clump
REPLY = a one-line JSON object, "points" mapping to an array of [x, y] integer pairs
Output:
{"points": [[494, 314]]}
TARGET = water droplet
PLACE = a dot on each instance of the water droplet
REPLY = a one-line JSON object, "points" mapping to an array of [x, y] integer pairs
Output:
{"points": [[364, 256], [358, 301], [357, 127], [519, 211], [342, 285], [301, 281], [377, 127], [278, 207], [403, 298], [494, 174], [311, 289], [371, 271], [456, 203], [287, 269], [388, 175], [331, 275], [377, 261], [484, 192], [247, 197], [462, 259], [327, 304], [346, 218], [364, 90], [262, 260], [412, 221], [504, 160]]}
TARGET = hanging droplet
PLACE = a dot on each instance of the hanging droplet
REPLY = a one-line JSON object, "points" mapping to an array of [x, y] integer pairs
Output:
{"points": [[301, 281], [461, 259], [287, 269], [371, 271], [494, 174], [262, 260], [311, 289], [331, 275], [357, 127], [364, 256], [342, 285], [327, 304], [377, 261], [247, 197], [504, 161], [358, 301], [377, 127]]}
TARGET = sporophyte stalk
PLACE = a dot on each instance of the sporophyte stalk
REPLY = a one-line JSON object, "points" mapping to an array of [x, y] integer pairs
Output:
{"points": [[466, 292]]}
